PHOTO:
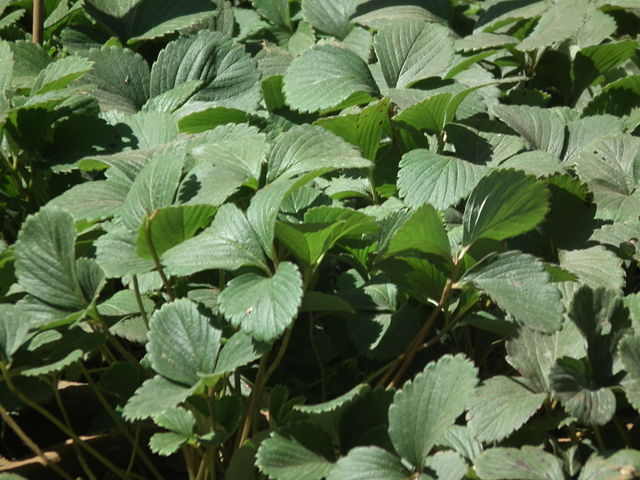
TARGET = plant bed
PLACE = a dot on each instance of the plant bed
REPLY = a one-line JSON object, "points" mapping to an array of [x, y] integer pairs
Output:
{"points": [[320, 239]]}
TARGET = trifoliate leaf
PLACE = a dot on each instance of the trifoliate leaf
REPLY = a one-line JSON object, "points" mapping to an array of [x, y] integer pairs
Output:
{"points": [[571, 385], [307, 148], [155, 396], [121, 78], [558, 22], [229, 243], [238, 351], [543, 129], [587, 130], [324, 77], [152, 129], [230, 75], [166, 443], [13, 330], [91, 200], [330, 16], [500, 406], [412, 49], [369, 463], [426, 407], [263, 307], [621, 465], [527, 463], [611, 168], [594, 266], [533, 353], [461, 440], [154, 187], [295, 452], [170, 226], [503, 204], [446, 465], [629, 350], [442, 181], [60, 74], [45, 259], [116, 254], [182, 343], [519, 284]]}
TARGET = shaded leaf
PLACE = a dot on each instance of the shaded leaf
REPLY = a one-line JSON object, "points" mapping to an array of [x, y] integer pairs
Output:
{"points": [[527, 463], [369, 463]]}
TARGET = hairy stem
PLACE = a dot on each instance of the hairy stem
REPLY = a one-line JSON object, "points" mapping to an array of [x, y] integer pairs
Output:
{"points": [[136, 291], [253, 401]]}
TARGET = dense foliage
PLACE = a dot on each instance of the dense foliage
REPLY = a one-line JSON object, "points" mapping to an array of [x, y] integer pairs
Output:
{"points": [[307, 239]]}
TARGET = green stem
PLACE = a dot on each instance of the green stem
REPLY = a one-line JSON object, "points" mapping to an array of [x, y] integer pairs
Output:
{"points": [[112, 339], [372, 187], [622, 432], [253, 401], [135, 445], [189, 461], [599, 439], [136, 291], [22, 435], [280, 355], [154, 255], [61, 426]]}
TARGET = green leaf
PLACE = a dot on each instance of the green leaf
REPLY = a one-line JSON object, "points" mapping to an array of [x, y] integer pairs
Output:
{"points": [[442, 181], [124, 302], [229, 243], [340, 402], [238, 351], [173, 99], [121, 78], [116, 254], [136, 20], [595, 266], [91, 200], [182, 343], [593, 61], [621, 465], [276, 11], [242, 149], [571, 385], [461, 440], [166, 443], [155, 396], [427, 406], [230, 76], [45, 259], [306, 148], [369, 463], [503, 204], [60, 74], [421, 233], [210, 118], [500, 406], [412, 49], [322, 229], [584, 131], [180, 422], [298, 451], [263, 307], [558, 22], [330, 16], [170, 226], [370, 126], [507, 276], [154, 187], [629, 350], [543, 129], [13, 330], [611, 168], [533, 353], [152, 129], [324, 77], [527, 463], [616, 98], [446, 465]]}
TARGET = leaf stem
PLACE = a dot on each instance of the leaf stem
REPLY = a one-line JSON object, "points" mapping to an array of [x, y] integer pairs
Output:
{"points": [[253, 401], [316, 354], [154, 255], [22, 435], [417, 342], [136, 291]]}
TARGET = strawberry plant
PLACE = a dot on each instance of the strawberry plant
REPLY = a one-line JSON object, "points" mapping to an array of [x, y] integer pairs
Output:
{"points": [[321, 239]]}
